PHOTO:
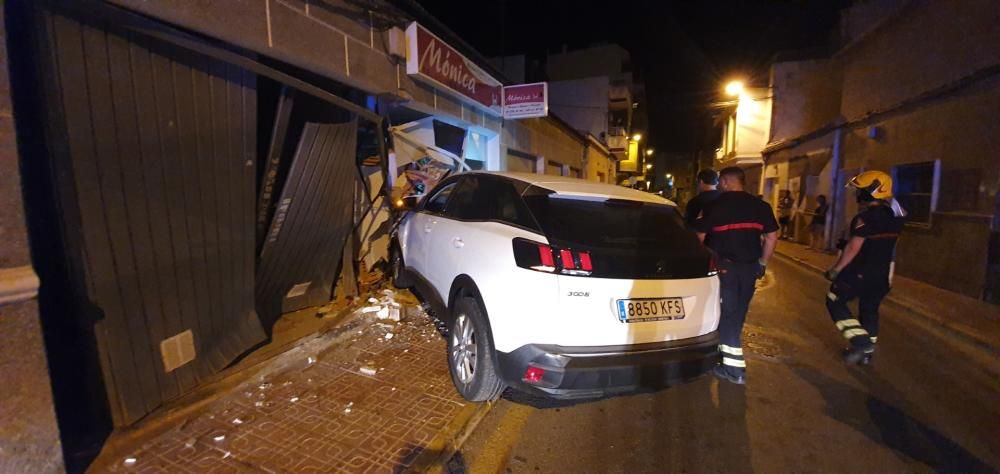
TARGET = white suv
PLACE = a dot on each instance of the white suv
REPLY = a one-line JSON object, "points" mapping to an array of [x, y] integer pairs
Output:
{"points": [[560, 286]]}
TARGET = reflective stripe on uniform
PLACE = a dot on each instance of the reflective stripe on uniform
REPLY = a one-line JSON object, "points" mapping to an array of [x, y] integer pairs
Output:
{"points": [[830, 296], [847, 323], [737, 351], [855, 332], [733, 362], [874, 339]]}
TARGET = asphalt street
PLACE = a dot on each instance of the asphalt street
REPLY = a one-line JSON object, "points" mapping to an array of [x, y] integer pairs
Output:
{"points": [[929, 404]]}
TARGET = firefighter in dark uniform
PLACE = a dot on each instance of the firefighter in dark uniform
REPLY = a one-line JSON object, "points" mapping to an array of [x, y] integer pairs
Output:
{"points": [[707, 181], [742, 233], [864, 269]]}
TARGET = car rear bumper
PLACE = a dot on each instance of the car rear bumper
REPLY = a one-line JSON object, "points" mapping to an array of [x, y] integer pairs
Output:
{"points": [[585, 372]]}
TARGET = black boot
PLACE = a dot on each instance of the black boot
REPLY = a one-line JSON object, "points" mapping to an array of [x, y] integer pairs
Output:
{"points": [[732, 374], [859, 355]]}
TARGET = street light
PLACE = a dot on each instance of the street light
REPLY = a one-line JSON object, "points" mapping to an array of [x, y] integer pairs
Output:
{"points": [[669, 176], [637, 137], [649, 166], [649, 151], [734, 88]]}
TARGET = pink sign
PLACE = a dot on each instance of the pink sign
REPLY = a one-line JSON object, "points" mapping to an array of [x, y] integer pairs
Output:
{"points": [[526, 100], [432, 60]]}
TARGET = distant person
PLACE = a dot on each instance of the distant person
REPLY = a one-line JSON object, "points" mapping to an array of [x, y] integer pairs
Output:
{"points": [[741, 232], [817, 228], [707, 182], [785, 204], [864, 269]]}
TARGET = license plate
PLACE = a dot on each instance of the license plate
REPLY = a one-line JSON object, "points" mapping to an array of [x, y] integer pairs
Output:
{"points": [[650, 309]]}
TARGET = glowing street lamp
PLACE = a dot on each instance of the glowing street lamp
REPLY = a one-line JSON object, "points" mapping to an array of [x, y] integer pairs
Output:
{"points": [[734, 88], [637, 137], [669, 176], [649, 166], [649, 151]]}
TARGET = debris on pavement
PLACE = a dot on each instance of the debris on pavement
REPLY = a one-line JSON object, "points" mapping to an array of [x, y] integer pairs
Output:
{"points": [[362, 363]]}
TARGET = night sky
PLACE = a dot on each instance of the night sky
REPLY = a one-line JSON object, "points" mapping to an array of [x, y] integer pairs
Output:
{"points": [[684, 50]]}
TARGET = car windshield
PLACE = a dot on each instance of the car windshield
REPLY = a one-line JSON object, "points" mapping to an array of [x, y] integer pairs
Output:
{"points": [[634, 239]]}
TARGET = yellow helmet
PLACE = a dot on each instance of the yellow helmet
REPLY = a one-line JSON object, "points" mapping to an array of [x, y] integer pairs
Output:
{"points": [[876, 184]]}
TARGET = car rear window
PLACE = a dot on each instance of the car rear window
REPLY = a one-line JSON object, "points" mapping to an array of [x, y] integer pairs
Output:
{"points": [[627, 239]]}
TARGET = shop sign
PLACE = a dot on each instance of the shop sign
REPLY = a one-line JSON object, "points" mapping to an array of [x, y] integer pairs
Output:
{"points": [[526, 100], [431, 60]]}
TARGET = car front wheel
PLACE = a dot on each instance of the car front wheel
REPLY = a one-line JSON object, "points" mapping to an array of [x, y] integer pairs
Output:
{"points": [[398, 268], [470, 353]]}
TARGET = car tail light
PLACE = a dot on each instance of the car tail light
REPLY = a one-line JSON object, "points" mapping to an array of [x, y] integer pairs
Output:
{"points": [[545, 258], [566, 257], [533, 375], [534, 256]]}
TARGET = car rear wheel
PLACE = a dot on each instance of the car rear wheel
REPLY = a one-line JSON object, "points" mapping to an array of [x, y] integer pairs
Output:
{"points": [[470, 353], [398, 268]]}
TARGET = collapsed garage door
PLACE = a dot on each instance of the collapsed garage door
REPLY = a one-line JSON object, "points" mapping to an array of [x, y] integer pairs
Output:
{"points": [[303, 248], [153, 149]]}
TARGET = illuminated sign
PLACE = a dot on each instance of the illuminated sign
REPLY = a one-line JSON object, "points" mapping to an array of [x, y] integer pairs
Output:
{"points": [[431, 60], [526, 101]]}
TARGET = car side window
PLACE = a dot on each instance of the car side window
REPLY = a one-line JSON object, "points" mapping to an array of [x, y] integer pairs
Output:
{"points": [[481, 198], [436, 203]]}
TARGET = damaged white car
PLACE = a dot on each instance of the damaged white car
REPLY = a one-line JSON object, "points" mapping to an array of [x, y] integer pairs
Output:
{"points": [[560, 286]]}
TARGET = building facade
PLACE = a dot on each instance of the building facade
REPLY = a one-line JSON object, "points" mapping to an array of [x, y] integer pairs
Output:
{"points": [[595, 90], [746, 125], [189, 260], [912, 91]]}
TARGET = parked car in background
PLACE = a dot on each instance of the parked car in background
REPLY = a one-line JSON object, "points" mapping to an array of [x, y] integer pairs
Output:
{"points": [[560, 286]]}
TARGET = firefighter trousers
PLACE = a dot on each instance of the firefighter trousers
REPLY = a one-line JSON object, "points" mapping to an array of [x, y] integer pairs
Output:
{"points": [[737, 284], [869, 290]]}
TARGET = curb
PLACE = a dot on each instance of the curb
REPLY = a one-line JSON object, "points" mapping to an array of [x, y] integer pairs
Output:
{"points": [[966, 334], [450, 439]]}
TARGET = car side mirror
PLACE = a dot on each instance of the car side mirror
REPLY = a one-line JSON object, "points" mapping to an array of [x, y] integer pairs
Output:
{"points": [[407, 203]]}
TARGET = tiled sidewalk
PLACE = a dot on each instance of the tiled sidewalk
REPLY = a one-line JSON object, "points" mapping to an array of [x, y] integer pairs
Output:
{"points": [[975, 320], [360, 401]]}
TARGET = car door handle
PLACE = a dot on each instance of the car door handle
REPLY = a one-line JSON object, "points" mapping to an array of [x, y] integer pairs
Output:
{"points": [[458, 242]]}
